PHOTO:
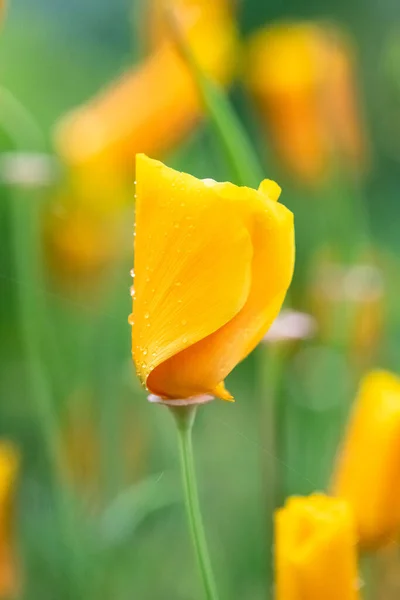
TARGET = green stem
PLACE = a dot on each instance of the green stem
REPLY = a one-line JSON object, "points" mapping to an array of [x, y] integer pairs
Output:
{"points": [[25, 135], [23, 212], [184, 418], [234, 141], [269, 364]]}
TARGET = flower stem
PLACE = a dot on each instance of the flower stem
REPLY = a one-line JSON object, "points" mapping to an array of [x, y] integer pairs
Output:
{"points": [[184, 418]]}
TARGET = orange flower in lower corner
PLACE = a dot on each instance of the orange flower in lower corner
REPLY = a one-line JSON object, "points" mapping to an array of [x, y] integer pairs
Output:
{"points": [[315, 550], [213, 262], [368, 469], [9, 462]]}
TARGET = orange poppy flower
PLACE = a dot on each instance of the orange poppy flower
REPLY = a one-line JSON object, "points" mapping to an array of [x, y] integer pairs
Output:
{"points": [[213, 262]]}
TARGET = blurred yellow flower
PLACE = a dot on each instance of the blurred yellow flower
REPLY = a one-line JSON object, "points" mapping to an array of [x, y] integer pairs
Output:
{"points": [[301, 75], [80, 243], [151, 107], [9, 463], [315, 550], [213, 262], [368, 469]]}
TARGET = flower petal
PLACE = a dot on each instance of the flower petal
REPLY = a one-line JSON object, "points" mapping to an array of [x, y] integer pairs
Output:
{"points": [[203, 366], [258, 245], [192, 266]]}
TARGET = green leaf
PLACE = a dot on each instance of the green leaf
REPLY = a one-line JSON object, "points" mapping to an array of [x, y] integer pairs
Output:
{"points": [[131, 507]]}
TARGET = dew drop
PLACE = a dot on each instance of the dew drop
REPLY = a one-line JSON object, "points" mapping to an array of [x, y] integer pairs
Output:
{"points": [[132, 273], [184, 339], [132, 291], [144, 352], [146, 315], [130, 319]]}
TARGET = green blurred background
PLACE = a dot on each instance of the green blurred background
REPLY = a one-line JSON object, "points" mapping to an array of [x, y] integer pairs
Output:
{"points": [[127, 537]]}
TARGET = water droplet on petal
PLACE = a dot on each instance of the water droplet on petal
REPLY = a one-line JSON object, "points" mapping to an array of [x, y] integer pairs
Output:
{"points": [[130, 319], [144, 352], [146, 315], [184, 339], [132, 291], [132, 273]]}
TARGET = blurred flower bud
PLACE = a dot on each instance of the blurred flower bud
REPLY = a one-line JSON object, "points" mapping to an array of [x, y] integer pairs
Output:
{"points": [[368, 468], [80, 244], [315, 550], [301, 76], [152, 107]]}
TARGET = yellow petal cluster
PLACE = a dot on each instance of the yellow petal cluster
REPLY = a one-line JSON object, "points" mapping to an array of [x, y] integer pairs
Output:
{"points": [[301, 76], [368, 468], [315, 550], [213, 262]]}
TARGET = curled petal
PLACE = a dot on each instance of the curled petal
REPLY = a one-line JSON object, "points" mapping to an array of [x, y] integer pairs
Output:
{"points": [[212, 263]]}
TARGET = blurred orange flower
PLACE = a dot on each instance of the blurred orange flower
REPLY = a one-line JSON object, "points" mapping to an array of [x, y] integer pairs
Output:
{"points": [[9, 464], [213, 262], [368, 468], [301, 75], [315, 550], [151, 107], [82, 241]]}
